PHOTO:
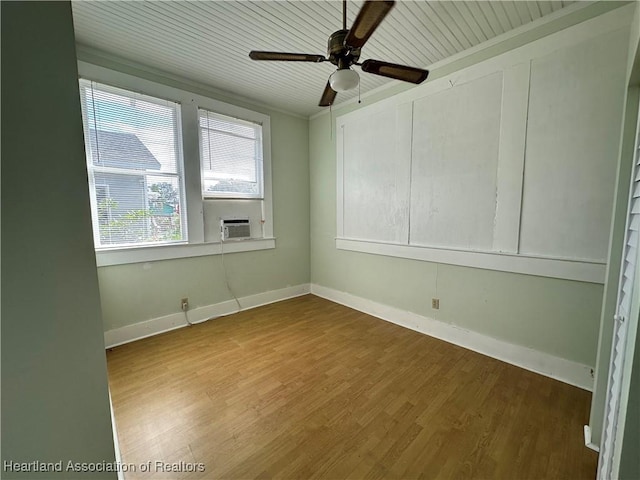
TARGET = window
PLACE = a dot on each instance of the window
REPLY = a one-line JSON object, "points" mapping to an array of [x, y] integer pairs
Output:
{"points": [[230, 156], [134, 162], [165, 165]]}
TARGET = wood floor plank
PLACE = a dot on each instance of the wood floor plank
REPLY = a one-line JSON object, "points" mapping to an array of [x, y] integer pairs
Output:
{"points": [[306, 388]]}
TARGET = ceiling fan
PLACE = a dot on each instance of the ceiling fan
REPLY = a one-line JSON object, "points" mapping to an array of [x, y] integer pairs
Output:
{"points": [[344, 52]]}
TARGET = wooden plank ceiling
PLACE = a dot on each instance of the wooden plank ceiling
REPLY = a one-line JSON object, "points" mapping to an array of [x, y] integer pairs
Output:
{"points": [[209, 41]]}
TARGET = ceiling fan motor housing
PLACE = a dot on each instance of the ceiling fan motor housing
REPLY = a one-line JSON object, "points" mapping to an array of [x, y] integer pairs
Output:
{"points": [[340, 54]]}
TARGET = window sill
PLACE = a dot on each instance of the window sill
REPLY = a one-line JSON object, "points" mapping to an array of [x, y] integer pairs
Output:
{"points": [[168, 252]]}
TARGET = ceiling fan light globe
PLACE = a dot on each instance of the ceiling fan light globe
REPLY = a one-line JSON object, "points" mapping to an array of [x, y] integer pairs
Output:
{"points": [[343, 80]]}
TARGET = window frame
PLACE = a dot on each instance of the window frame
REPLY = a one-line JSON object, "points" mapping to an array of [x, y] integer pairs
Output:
{"points": [[189, 102], [93, 170]]}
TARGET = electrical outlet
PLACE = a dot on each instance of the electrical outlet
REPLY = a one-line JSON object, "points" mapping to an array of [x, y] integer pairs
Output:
{"points": [[184, 304], [435, 303]]}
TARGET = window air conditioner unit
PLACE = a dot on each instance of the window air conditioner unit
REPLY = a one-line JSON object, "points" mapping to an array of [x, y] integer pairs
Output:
{"points": [[236, 228]]}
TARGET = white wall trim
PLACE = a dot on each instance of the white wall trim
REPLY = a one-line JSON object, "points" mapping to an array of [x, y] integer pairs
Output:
{"points": [[116, 442], [587, 439], [568, 269], [545, 364], [155, 326], [123, 256]]}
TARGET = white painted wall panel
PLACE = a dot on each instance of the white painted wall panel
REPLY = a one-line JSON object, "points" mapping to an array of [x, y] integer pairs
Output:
{"points": [[456, 136], [513, 129], [573, 132], [376, 171], [513, 159]]}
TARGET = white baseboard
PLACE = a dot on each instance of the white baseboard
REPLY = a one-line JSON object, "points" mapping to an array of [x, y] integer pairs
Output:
{"points": [[587, 439], [543, 363], [558, 368], [116, 442], [158, 325]]}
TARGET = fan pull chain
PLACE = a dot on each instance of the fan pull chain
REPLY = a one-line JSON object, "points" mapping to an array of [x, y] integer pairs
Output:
{"points": [[359, 100]]}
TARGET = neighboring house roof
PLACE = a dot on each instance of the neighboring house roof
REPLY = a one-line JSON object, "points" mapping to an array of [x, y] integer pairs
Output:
{"points": [[123, 150]]}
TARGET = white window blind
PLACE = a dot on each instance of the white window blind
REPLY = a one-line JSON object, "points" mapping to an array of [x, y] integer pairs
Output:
{"points": [[134, 162], [230, 156]]}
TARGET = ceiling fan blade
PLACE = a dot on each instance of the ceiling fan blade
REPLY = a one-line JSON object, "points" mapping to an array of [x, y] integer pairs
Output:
{"points": [[328, 96], [286, 57], [368, 19], [393, 70]]}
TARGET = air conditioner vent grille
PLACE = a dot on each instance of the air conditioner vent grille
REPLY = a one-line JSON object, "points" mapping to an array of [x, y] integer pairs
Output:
{"points": [[235, 228]]}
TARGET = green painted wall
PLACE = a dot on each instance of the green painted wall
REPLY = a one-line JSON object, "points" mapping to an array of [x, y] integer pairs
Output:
{"points": [[142, 291], [559, 317], [138, 292], [55, 404], [555, 316]]}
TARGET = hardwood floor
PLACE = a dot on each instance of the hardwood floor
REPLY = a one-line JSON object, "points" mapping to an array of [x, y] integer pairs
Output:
{"points": [[306, 388]]}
